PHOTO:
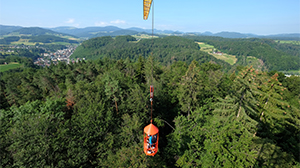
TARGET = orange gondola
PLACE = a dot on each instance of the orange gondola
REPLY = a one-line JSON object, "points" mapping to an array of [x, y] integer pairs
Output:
{"points": [[151, 135], [151, 148]]}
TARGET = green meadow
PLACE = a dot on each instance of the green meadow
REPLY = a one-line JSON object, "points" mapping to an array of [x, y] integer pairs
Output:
{"points": [[288, 41], [292, 72], [144, 36], [231, 59], [9, 66]]}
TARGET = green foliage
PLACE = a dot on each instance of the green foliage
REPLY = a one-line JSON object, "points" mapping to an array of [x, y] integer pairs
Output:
{"points": [[274, 55], [165, 50], [9, 39], [9, 66], [35, 31], [50, 39], [92, 114]]}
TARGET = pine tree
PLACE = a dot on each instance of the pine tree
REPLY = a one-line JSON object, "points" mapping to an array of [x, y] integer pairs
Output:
{"points": [[189, 88]]}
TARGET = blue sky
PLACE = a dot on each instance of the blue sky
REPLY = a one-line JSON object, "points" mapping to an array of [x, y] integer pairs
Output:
{"points": [[261, 17]]}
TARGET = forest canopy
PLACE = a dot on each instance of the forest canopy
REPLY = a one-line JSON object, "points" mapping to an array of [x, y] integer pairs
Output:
{"points": [[276, 56], [164, 50], [92, 114]]}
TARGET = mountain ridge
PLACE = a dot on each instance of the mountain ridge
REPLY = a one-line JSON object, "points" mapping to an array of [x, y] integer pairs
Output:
{"points": [[96, 31]]}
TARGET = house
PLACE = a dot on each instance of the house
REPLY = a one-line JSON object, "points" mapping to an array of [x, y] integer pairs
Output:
{"points": [[219, 53]]}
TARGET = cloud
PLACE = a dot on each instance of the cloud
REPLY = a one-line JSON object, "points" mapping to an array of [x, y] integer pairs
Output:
{"points": [[114, 22], [118, 21], [76, 25], [70, 21], [101, 24]]}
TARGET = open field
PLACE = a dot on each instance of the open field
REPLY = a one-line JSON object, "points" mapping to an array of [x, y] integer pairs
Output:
{"points": [[24, 41], [60, 43], [143, 36], [206, 47], [292, 72], [69, 38], [287, 41], [231, 59], [9, 66]]}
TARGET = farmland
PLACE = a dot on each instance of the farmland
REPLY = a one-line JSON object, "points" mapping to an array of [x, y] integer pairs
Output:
{"points": [[231, 59], [24, 41], [292, 72], [288, 41], [143, 36]]}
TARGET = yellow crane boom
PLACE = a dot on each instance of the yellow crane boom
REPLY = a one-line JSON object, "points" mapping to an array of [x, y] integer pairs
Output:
{"points": [[147, 5]]}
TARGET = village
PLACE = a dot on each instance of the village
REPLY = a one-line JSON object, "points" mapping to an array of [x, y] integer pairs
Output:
{"points": [[58, 56], [47, 57]]}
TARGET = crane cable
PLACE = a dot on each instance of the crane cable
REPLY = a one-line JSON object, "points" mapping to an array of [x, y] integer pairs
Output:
{"points": [[151, 99]]}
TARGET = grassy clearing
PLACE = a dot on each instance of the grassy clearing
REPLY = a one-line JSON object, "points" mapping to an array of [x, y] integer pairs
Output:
{"points": [[9, 66], [288, 41], [292, 72], [61, 43], [205, 46], [143, 36], [69, 38], [231, 59], [72, 38], [24, 42]]}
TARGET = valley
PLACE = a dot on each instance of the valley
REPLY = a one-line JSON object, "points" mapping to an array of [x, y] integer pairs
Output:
{"points": [[58, 92]]}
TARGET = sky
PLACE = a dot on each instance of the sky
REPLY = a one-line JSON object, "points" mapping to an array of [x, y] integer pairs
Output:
{"points": [[261, 17]]}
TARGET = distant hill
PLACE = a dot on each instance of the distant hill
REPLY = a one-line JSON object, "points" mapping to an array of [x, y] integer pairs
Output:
{"points": [[49, 39], [224, 34], [140, 30], [86, 32], [31, 40], [7, 29], [233, 35], [293, 36], [36, 31], [117, 33], [165, 50], [91, 32], [207, 33]]}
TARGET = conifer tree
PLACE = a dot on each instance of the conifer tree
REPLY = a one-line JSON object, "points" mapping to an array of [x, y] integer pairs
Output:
{"points": [[189, 88]]}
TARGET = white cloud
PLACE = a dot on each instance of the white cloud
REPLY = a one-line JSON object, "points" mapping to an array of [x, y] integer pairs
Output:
{"points": [[101, 24], [70, 21], [118, 21], [114, 22]]}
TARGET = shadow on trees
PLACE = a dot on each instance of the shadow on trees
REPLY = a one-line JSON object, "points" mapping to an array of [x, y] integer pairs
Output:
{"points": [[278, 146]]}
